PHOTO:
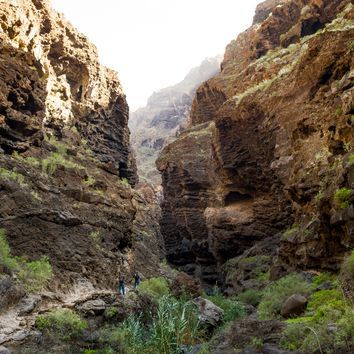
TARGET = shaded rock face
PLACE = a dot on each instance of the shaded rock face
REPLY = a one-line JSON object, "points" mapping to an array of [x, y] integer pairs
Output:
{"points": [[164, 117], [66, 169], [279, 146]]}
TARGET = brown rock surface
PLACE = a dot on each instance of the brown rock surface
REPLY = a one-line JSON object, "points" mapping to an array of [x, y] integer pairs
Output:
{"points": [[66, 169], [278, 146]]}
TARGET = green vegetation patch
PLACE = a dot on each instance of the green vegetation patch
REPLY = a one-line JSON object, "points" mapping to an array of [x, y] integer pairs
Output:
{"points": [[276, 293], [12, 175], [174, 325], [61, 323], [291, 231], [250, 296], [155, 287], [341, 197], [233, 308], [33, 274]]}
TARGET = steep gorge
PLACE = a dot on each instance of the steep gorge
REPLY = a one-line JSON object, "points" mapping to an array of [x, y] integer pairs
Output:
{"points": [[268, 150], [66, 170]]}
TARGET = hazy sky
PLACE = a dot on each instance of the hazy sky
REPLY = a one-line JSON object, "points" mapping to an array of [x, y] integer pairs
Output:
{"points": [[154, 43]]}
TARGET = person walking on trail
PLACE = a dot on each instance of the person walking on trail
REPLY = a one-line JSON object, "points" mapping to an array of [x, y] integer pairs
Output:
{"points": [[136, 278], [121, 285]]}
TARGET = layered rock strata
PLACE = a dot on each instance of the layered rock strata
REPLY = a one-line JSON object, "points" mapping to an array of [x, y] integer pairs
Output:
{"points": [[269, 149], [66, 169]]}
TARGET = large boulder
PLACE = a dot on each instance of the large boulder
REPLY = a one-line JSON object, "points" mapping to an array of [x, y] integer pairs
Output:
{"points": [[210, 315], [295, 305], [4, 350]]}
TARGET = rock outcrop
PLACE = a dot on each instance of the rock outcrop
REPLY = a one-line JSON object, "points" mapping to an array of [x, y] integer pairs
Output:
{"points": [[269, 149], [66, 170], [164, 117]]}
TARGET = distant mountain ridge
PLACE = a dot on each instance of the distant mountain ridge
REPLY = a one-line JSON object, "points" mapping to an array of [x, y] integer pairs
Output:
{"points": [[165, 115]]}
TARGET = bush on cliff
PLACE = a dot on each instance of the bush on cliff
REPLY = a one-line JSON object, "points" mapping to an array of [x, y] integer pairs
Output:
{"points": [[33, 274], [233, 309], [63, 324], [155, 287], [277, 292], [347, 269]]}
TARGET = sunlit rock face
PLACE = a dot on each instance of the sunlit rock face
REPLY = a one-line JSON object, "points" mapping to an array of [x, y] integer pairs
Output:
{"points": [[165, 117], [66, 169], [53, 81], [278, 147]]}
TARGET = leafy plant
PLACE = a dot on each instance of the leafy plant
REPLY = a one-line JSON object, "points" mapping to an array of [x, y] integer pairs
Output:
{"points": [[291, 231], [277, 292], [64, 324], [341, 197], [6, 260], [233, 309], [250, 296], [36, 274], [12, 175], [155, 287]]}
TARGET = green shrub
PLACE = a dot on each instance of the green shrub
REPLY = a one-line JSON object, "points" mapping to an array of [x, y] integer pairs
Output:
{"points": [[111, 312], [155, 287], [310, 333], [291, 231], [12, 175], [63, 324], [341, 197], [250, 296], [277, 292], [55, 159], [88, 181], [321, 297], [347, 269], [36, 274], [324, 278], [6, 260], [233, 309], [351, 159], [175, 324]]}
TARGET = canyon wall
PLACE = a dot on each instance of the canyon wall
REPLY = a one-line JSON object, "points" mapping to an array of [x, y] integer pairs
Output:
{"points": [[66, 169], [164, 117], [268, 157]]}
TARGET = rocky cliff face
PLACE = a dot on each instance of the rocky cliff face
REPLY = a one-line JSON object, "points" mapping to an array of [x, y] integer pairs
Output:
{"points": [[66, 169], [269, 150], [164, 117]]}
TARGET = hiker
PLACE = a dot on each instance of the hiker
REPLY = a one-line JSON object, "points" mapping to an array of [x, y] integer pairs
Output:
{"points": [[121, 285], [136, 278]]}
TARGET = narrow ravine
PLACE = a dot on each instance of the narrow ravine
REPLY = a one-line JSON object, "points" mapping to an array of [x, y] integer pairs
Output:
{"points": [[236, 216]]}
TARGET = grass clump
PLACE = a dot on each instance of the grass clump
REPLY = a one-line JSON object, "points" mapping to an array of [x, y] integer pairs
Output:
{"points": [[63, 324], [55, 159], [291, 231], [174, 325], [12, 175], [33, 274], [232, 308], [309, 334], [341, 197], [277, 292], [251, 297], [89, 181], [36, 274], [155, 287], [351, 159], [6, 260]]}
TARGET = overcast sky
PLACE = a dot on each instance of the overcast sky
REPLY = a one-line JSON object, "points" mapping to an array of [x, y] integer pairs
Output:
{"points": [[154, 43]]}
